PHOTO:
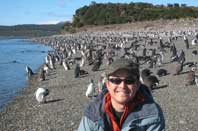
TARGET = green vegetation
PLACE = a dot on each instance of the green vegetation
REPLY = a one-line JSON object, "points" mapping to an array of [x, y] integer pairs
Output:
{"points": [[30, 30], [118, 13]]}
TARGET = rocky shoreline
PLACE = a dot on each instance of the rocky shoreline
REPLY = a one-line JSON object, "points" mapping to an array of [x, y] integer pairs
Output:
{"points": [[67, 99]]}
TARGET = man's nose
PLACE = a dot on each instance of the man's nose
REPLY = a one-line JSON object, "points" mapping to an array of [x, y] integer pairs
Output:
{"points": [[123, 84]]}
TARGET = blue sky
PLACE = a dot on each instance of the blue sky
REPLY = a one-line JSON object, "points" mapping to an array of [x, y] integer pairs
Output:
{"points": [[14, 12]]}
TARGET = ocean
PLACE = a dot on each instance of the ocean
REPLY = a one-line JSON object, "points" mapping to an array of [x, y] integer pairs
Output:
{"points": [[15, 54]]}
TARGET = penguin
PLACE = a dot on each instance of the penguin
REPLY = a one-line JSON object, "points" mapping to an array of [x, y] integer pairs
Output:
{"points": [[29, 71], [195, 70], [194, 52], [96, 65], [82, 62], [77, 71], [161, 72], [186, 42], [177, 68], [65, 65], [90, 89], [83, 72], [109, 61], [46, 68], [41, 74], [52, 62], [151, 82], [101, 82], [144, 52], [41, 94], [144, 73], [194, 42], [190, 78]]}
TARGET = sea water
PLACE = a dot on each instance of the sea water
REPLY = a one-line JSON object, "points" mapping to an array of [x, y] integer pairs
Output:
{"points": [[15, 55]]}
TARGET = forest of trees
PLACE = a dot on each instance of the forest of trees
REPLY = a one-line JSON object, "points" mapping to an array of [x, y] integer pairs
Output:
{"points": [[118, 13]]}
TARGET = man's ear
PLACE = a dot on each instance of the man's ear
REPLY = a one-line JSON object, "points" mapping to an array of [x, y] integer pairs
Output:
{"points": [[106, 82]]}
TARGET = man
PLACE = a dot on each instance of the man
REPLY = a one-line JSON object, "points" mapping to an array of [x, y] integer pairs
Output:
{"points": [[126, 105]]}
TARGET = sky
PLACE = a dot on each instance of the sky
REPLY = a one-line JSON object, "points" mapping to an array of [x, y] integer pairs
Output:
{"points": [[15, 12]]}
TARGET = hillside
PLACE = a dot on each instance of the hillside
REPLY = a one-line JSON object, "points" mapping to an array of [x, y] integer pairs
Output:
{"points": [[30, 30], [121, 13], [157, 25]]}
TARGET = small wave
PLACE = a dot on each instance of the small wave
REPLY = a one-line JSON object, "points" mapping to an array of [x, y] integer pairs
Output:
{"points": [[30, 51], [9, 62]]}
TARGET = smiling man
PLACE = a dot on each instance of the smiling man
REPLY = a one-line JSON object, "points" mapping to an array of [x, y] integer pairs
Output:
{"points": [[126, 105]]}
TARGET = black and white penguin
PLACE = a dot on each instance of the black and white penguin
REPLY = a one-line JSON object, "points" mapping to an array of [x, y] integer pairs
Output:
{"points": [[186, 42], [109, 61], [83, 72], [194, 42], [41, 74], [194, 52], [144, 73], [181, 57], [29, 71], [162, 72], [82, 63], [101, 82], [97, 65], [65, 65], [151, 82], [46, 68], [190, 78], [195, 70], [41, 94], [144, 52], [77, 71], [90, 92]]}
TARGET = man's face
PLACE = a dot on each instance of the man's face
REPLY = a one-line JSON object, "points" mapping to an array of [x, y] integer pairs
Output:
{"points": [[122, 89]]}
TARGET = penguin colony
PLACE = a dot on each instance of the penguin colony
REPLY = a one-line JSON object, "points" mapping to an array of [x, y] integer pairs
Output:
{"points": [[148, 49]]}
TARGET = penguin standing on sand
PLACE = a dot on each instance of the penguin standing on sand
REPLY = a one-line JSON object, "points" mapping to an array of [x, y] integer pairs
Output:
{"points": [[41, 94], [96, 65], [144, 52], [77, 71], [82, 62], [41, 74], [144, 73], [150, 81], [186, 42], [162, 72], [29, 71], [90, 89], [46, 68], [101, 82], [65, 65]]}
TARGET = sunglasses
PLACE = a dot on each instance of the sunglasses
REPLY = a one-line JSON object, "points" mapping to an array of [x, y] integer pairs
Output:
{"points": [[117, 81]]}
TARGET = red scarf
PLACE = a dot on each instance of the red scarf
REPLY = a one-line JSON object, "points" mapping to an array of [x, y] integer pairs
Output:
{"points": [[139, 98]]}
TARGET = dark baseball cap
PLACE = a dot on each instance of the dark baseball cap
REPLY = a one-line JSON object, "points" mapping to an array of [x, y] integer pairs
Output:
{"points": [[123, 64]]}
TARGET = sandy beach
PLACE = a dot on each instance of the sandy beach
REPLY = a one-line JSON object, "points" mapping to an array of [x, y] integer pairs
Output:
{"points": [[63, 109], [67, 100]]}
